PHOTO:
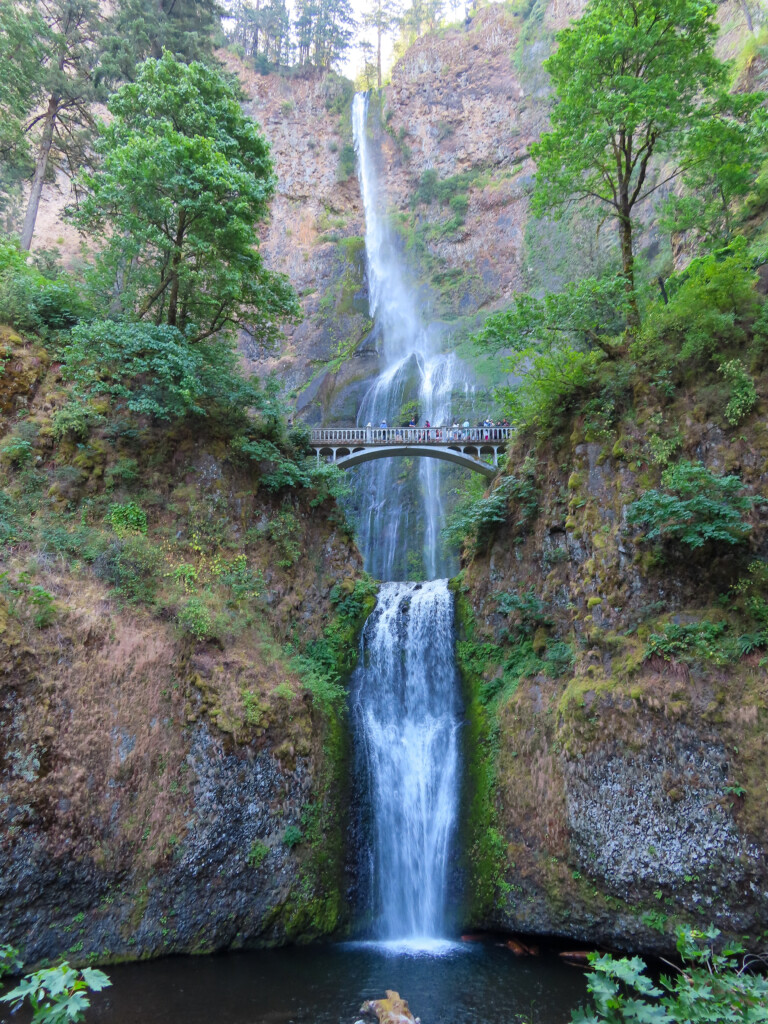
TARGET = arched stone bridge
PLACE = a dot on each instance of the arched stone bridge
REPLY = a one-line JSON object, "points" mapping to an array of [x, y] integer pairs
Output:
{"points": [[349, 446]]}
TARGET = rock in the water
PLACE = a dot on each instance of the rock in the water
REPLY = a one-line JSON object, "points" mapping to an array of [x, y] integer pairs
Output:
{"points": [[392, 1010]]}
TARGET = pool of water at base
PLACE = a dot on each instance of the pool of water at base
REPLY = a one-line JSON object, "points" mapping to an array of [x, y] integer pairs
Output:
{"points": [[469, 983]]}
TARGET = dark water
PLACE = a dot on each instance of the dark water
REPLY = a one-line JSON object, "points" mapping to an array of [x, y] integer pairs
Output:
{"points": [[469, 984]]}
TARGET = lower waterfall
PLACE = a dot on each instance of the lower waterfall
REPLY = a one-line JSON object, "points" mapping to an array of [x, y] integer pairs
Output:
{"points": [[407, 717]]}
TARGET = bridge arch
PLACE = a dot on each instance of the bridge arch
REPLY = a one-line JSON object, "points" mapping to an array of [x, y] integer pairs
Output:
{"points": [[454, 455]]}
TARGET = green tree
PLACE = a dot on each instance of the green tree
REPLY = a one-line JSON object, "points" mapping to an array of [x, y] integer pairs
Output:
{"points": [[633, 79], [421, 16], [324, 30], [65, 90], [183, 182], [383, 17], [722, 158], [22, 35], [137, 29]]}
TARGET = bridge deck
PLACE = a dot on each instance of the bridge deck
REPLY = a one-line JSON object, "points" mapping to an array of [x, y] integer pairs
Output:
{"points": [[336, 437]]}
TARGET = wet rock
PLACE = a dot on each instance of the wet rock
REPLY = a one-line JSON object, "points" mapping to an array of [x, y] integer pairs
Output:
{"points": [[390, 1010]]}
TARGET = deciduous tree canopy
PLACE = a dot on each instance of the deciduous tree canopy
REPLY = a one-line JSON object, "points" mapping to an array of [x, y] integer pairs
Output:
{"points": [[635, 79], [183, 181]]}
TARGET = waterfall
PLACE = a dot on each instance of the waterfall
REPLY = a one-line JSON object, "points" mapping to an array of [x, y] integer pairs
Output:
{"points": [[414, 373], [407, 714], [405, 693]]}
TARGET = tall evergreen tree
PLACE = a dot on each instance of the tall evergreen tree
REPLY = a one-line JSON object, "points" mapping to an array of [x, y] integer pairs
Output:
{"points": [[138, 29], [67, 88], [324, 31], [383, 18], [22, 55]]}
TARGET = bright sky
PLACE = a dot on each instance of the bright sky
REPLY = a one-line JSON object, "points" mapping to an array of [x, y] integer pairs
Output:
{"points": [[354, 62]]}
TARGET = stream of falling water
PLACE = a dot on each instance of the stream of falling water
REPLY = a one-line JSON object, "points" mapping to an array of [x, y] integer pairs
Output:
{"points": [[396, 533], [405, 697]]}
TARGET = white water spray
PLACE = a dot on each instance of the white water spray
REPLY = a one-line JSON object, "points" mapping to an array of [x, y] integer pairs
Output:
{"points": [[406, 704], [406, 710], [415, 374]]}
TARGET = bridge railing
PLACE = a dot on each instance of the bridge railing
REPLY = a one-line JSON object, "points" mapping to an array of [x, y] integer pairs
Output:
{"points": [[335, 436]]}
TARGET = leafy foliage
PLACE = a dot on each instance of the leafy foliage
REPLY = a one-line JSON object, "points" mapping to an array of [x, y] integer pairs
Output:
{"points": [[711, 988], [257, 854], [743, 395], [57, 995], [525, 611], [687, 642], [183, 182], [156, 370], [36, 302], [558, 343], [710, 303], [723, 155], [514, 499], [696, 507], [634, 78], [126, 519], [292, 836]]}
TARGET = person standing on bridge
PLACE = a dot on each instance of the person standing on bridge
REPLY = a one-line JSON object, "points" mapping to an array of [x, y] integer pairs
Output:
{"points": [[427, 433], [369, 431], [383, 426], [465, 428]]}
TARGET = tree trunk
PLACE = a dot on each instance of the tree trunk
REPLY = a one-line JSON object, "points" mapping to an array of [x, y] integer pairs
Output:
{"points": [[173, 298], [378, 54], [628, 270], [46, 141], [747, 15]]}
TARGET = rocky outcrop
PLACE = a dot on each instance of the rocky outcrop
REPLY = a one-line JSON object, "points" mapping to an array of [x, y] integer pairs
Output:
{"points": [[172, 773], [628, 793]]}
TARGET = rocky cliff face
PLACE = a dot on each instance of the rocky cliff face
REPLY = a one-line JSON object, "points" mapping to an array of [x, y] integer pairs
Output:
{"points": [[164, 787], [627, 791]]}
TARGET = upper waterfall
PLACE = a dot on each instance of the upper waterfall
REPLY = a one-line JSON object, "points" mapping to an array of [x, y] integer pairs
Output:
{"points": [[399, 521]]}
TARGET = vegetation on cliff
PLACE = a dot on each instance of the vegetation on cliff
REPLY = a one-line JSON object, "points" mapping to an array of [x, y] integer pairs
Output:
{"points": [[156, 499], [616, 570]]}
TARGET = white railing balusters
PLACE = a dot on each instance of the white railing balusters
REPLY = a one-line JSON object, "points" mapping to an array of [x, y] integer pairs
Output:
{"points": [[342, 436]]}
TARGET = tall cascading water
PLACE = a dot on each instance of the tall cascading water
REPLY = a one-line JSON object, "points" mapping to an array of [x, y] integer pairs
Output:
{"points": [[416, 375], [405, 695], [407, 712]]}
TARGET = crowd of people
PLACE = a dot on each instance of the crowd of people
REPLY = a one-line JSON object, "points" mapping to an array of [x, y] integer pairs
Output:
{"points": [[490, 430]]}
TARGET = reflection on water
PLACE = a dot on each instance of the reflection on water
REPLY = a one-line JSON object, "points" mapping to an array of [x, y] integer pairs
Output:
{"points": [[465, 984]]}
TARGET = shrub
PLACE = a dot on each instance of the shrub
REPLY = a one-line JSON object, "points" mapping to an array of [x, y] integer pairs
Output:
{"points": [[283, 529], [44, 609], [132, 565], [347, 162], [17, 451], [277, 470], [743, 395], [710, 988], [195, 618], [476, 520], [686, 642], [257, 854], [709, 304], [126, 519], [292, 836], [526, 611], [156, 370], [696, 507], [74, 420], [32, 302]]}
